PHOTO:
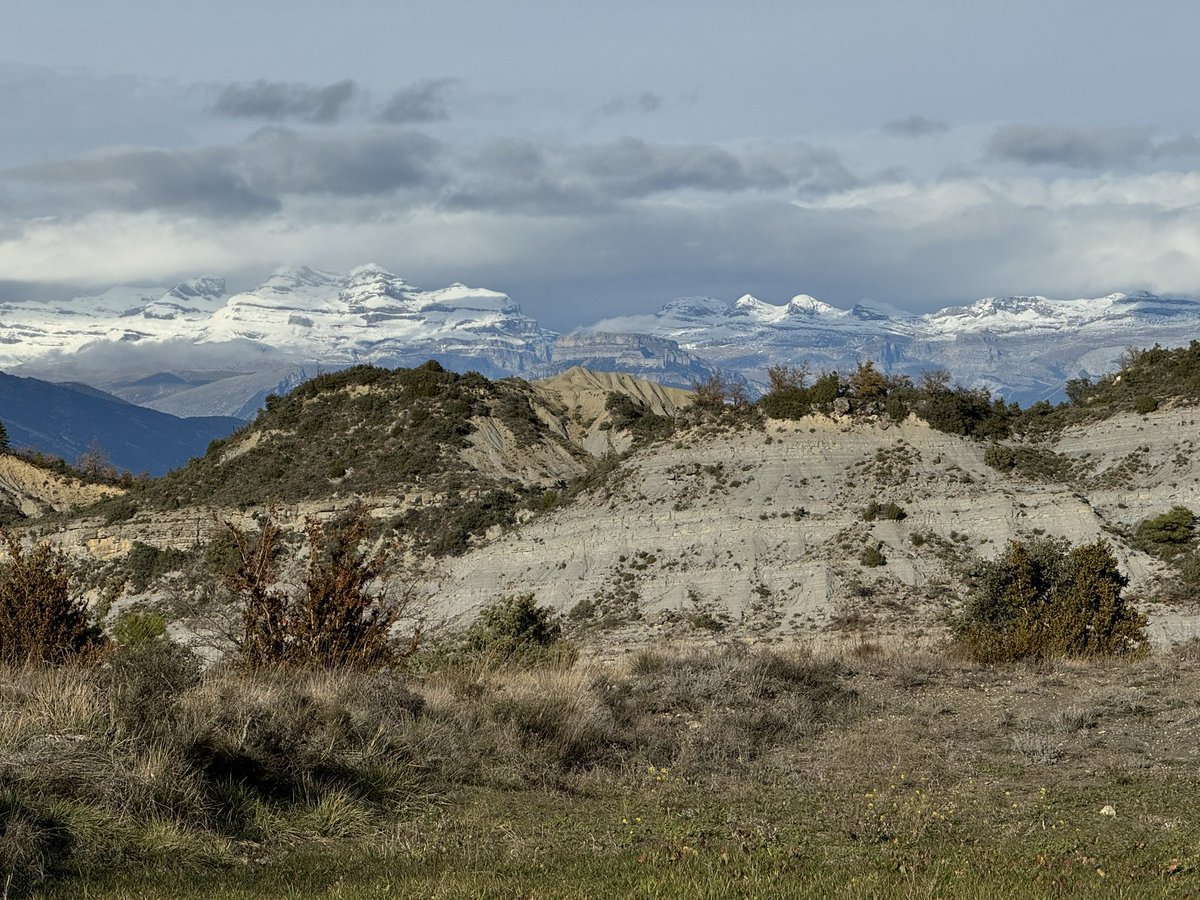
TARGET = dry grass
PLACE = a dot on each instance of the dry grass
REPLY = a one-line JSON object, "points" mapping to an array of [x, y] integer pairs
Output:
{"points": [[911, 751]]}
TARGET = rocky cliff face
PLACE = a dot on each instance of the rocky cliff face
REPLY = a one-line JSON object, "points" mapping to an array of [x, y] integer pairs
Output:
{"points": [[639, 355]]}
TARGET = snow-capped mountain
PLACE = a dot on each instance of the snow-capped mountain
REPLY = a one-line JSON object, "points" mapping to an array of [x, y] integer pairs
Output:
{"points": [[297, 315], [1024, 348], [196, 349]]}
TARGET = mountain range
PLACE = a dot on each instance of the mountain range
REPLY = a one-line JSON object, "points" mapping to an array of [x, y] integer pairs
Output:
{"points": [[196, 349]]}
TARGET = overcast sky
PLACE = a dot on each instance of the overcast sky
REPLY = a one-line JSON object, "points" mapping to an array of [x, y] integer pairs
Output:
{"points": [[597, 159]]}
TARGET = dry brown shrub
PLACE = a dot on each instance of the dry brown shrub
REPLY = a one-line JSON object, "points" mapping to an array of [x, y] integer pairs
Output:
{"points": [[39, 619]]}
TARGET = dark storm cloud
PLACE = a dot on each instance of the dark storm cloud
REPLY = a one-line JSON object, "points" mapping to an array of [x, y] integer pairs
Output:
{"points": [[227, 182], [646, 102], [201, 182], [521, 176], [1080, 148], [288, 162], [424, 101], [634, 168], [915, 126], [279, 101]]}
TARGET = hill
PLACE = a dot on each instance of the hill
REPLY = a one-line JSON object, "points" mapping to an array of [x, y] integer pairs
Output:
{"points": [[60, 420], [642, 512], [29, 491]]}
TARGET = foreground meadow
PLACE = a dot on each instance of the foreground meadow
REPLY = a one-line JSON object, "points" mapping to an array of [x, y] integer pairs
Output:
{"points": [[723, 772]]}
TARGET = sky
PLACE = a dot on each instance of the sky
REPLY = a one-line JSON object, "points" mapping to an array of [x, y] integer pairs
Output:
{"points": [[594, 160]]}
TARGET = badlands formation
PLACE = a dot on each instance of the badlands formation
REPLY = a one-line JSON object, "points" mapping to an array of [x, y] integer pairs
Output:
{"points": [[762, 533], [754, 529]]}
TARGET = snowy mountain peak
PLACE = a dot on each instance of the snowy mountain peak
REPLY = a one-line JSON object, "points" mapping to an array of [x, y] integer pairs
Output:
{"points": [[1024, 344], [290, 279], [369, 270], [749, 305], [805, 305], [196, 298], [206, 287], [694, 308]]}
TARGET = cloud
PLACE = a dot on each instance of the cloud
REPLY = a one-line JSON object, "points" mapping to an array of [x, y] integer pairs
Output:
{"points": [[1185, 145], [914, 126], [632, 167], [525, 177], [284, 161], [278, 101], [646, 102], [916, 244], [424, 101], [199, 182], [232, 181], [1082, 148]]}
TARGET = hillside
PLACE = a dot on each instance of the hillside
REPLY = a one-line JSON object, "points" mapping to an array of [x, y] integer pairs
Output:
{"points": [[769, 533], [642, 516], [64, 421], [28, 491]]}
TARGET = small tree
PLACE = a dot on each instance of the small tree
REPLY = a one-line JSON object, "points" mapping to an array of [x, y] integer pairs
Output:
{"points": [[95, 464], [1077, 390], [4, 447], [716, 391], [39, 619], [868, 383], [251, 578], [786, 378], [339, 619]]}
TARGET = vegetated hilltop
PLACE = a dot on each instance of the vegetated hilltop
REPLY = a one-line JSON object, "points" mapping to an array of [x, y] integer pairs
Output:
{"points": [[859, 505], [441, 457]]}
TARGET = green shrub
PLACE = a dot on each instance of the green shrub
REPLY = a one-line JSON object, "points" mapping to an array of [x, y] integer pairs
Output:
{"points": [[960, 410], [146, 564], [1168, 534], [514, 626], [1000, 457], [39, 619], [635, 417], [1044, 598], [1145, 404], [1034, 463], [872, 557], [890, 511], [789, 399], [1189, 576], [137, 628]]}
